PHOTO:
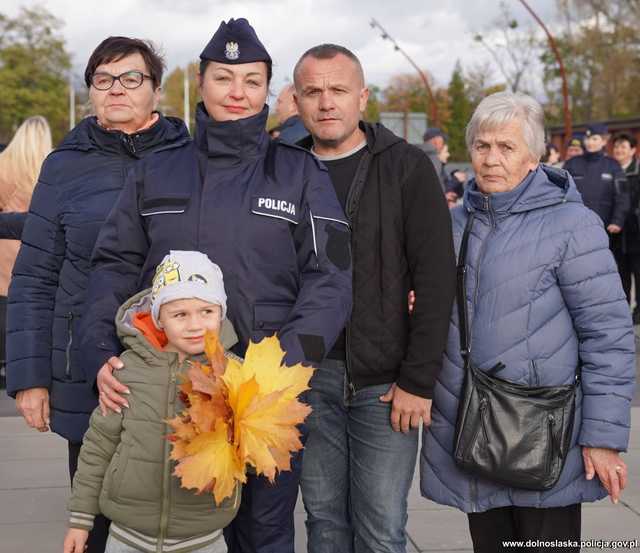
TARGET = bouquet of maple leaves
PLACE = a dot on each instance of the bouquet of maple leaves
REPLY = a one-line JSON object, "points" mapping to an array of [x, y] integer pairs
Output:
{"points": [[237, 415]]}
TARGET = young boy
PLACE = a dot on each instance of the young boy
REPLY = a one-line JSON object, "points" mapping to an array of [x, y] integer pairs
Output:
{"points": [[124, 469]]}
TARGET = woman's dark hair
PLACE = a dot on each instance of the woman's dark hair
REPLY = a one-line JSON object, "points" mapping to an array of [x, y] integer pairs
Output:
{"points": [[115, 48], [205, 63], [625, 137]]}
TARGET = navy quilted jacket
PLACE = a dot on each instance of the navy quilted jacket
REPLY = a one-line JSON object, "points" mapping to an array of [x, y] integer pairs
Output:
{"points": [[79, 184], [542, 291]]}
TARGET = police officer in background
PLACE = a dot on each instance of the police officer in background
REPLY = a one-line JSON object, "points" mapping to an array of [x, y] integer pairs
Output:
{"points": [[600, 179], [266, 213]]}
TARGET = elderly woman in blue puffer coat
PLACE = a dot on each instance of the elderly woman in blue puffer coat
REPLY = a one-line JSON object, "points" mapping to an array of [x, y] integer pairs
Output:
{"points": [[543, 295]]}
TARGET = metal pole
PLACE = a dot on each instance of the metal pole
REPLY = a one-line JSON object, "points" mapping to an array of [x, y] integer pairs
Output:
{"points": [[72, 103], [565, 87], [187, 111], [433, 107]]}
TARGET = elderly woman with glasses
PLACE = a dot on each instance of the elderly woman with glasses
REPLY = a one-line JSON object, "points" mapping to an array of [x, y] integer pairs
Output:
{"points": [[545, 310], [79, 184]]}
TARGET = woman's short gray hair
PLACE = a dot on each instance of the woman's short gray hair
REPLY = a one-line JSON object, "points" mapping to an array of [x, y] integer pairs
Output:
{"points": [[500, 108]]}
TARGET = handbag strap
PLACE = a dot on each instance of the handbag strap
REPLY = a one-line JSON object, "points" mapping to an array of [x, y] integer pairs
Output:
{"points": [[461, 272]]}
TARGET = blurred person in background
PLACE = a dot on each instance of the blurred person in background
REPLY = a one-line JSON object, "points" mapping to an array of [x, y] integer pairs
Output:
{"points": [[575, 147], [600, 179], [626, 246], [455, 186], [434, 142], [290, 127], [78, 185], [551, 157], [20, 165]]}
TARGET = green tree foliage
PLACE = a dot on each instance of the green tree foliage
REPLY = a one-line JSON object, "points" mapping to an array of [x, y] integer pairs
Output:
{"points": [[460, 110], [600, 46], [172, 102], [34, 68], [372, 111]]}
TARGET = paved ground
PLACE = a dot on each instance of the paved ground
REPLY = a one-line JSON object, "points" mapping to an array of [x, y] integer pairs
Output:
{"points": [[34, 485]]}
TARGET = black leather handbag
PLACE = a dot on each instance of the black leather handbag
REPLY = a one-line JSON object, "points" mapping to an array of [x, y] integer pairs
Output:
{"points": [[506, 432]]}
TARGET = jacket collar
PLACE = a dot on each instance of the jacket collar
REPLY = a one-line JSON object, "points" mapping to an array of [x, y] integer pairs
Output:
{"points": [[379, 138], [594, 156], [540, 188], [89, 135], [229, 143], [634, 168]]}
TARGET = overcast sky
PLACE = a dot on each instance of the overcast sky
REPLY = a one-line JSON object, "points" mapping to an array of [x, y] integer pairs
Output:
{"points": [[435, 33]]}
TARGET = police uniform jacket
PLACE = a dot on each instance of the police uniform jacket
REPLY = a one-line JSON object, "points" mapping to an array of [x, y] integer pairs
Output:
{"points": [[264, 211], [601, 183]]}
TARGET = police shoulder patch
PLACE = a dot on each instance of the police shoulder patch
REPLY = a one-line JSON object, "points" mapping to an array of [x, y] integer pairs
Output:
{"points": [[275, 207]]}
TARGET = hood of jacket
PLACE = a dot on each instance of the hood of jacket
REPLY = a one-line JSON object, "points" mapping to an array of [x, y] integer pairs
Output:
{"points": [[230, 143], [543, 187], [89, 135], [142, 343]]}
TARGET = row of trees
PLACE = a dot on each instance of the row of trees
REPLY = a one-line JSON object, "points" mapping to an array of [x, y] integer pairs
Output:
{"points": [[34, 69], [597, 38]]}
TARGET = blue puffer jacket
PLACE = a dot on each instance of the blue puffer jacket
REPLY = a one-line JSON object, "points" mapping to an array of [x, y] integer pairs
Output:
{"points": [[542, 291], [79, 184]]}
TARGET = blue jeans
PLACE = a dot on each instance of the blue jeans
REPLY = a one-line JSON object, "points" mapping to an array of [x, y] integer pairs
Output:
{"points": [[357, 471]]}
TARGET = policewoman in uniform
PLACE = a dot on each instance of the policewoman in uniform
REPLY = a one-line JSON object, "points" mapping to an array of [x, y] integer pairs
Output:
{"points": [[266, 212], [600, 179]]}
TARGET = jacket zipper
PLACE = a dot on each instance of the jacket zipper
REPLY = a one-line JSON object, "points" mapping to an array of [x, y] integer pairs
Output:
{"points": [[67, 370], [485, 203], [129, 143], [350, 206], [480, 426], [551, 421], [166, 484]]}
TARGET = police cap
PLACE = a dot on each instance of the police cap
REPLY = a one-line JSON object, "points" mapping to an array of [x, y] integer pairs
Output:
{"points": [[596, 128], [235, 42]]}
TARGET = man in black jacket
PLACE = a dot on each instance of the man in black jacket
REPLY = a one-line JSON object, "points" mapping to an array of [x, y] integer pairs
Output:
{"points": [[375, 386], [626, 246]]}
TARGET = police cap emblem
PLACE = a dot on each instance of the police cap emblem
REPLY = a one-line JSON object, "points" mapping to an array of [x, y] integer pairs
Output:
{"points": [[232, 51]]}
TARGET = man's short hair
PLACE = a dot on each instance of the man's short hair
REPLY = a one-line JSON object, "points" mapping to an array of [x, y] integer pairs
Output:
{"points": [[328, 51], [116, 48], [625, 137]]}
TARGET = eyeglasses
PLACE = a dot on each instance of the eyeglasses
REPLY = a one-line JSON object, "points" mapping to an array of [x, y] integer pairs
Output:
{"points": [[129, 80]]}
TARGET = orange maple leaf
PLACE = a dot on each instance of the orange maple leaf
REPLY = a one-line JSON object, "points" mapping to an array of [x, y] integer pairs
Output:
{"points": [[215, 353], [211, 458]]}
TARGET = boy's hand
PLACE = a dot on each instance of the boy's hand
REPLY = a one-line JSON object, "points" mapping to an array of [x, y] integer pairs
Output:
{"points": [[109, 388], [75, 541]]}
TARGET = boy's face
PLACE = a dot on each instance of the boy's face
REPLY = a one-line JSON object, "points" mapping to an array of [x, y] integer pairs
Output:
{"points": [[185, 323]]}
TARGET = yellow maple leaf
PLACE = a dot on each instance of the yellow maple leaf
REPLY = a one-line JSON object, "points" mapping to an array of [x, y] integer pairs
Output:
{"points": [[246, 416], [211, 458], [265, 360]]}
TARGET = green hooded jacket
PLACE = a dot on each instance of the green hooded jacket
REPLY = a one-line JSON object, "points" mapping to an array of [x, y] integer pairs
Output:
{"points": [[125, 470]]}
